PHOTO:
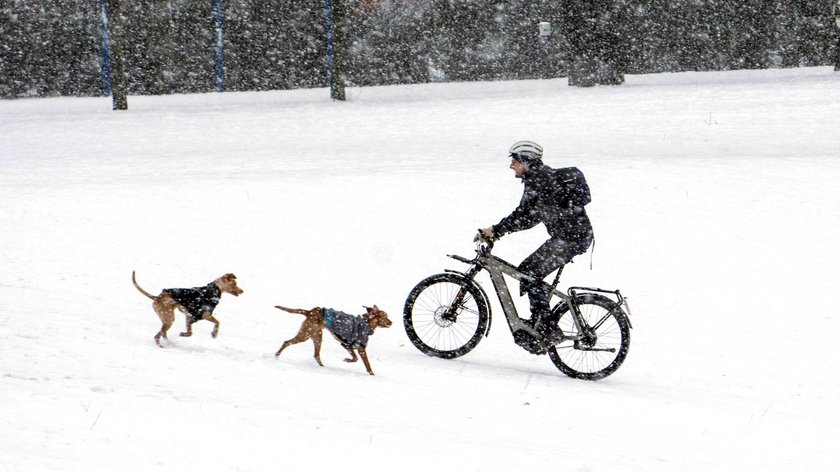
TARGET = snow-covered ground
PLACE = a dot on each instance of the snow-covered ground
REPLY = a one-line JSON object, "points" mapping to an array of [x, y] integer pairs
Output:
{"points": [[716, 210]]}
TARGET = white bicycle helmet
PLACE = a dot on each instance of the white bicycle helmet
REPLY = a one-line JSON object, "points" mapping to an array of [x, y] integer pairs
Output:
{"points": [[526, 151]]}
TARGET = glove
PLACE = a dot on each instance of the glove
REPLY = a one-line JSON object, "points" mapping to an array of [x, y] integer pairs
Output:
{"points": [[485, 235]]}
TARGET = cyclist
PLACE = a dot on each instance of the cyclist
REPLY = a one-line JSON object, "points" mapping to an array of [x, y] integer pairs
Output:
{"points": [[546, 200]]}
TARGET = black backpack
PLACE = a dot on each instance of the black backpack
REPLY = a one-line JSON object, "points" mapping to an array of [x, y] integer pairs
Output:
{"points": [[574, 186]]}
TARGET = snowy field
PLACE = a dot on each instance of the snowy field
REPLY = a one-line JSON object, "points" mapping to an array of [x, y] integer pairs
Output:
{"points": [[716, 208]]}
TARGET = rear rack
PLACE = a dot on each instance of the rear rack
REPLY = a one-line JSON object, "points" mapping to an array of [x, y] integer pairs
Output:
{"points": [[621, 300]]}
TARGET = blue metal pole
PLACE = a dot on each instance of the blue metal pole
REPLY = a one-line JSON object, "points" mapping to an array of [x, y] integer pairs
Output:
{"points": [[106, 49], [328, 11], [220, 69]]}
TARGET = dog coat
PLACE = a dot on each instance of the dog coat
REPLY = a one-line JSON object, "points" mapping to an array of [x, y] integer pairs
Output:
{"points": [[196, 300], [351, 330]]}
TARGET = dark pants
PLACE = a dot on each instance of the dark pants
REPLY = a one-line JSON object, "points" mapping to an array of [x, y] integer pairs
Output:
{"points": [[553, 255]]}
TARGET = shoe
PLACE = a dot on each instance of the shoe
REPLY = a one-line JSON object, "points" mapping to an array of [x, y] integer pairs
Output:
{"points": [[551, 333]]}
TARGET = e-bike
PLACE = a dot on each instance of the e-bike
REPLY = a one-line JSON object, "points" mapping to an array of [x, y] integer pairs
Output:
{"points": [[446, 315]]}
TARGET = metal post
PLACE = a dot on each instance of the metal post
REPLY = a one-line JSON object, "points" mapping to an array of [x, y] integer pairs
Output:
{"points": [[334, 79], [328, 12], [217, 24], [545, 32], [106, 49]]}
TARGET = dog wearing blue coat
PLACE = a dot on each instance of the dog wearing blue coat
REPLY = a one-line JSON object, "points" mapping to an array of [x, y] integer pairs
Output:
{"points": [[352, 331]]}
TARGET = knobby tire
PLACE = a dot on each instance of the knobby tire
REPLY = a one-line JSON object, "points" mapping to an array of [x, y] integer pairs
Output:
{"points": [[437, 328]]}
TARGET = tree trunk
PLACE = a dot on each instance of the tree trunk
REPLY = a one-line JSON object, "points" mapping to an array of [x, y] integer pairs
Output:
{"points": [[593, 30], [119, 92]]}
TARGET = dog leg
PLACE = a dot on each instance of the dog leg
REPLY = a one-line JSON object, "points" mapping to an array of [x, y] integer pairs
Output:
{"points": [[287, 344], [363, 355], [162, 333], [302, 336], [352, 357], [316, 340], [188, 332], [166, 313], [210, 318]]}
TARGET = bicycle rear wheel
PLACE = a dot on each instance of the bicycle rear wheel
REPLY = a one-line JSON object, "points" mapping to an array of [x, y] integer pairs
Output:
{"points": [[445, 316], [601, 348]]}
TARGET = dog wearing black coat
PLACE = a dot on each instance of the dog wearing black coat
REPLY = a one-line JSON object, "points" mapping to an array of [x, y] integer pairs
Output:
{"points": [[197, 303]]}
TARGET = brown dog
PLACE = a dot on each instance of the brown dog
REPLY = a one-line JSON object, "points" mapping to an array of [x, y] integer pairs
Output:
{"points": [[197, 303], [351, 331]]}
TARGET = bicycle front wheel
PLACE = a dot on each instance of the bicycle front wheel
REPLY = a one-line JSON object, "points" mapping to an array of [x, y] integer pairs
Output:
{"points": [[445, 316], [600, 347]]}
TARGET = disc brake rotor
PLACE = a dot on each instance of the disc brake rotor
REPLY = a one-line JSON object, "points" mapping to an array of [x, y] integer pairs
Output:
{"points": [[442, 318]]}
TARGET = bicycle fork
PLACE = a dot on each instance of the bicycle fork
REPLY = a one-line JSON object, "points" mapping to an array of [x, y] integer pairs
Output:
{"points": [[451, 313]]}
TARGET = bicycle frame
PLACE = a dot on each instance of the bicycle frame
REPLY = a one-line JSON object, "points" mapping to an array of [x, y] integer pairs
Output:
{"points": [[498, 268]]}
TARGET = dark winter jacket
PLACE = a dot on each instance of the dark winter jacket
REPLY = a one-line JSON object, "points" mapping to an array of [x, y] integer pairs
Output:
{"points": [[351, 330], [197, 300], [544, 200]]}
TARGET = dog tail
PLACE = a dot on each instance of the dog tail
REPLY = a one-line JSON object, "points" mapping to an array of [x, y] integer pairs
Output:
{"points": [[292, 310], [133, 279]]}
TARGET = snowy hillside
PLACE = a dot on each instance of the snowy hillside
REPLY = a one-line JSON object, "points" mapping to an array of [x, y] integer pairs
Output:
{"points": [[716, 211]]}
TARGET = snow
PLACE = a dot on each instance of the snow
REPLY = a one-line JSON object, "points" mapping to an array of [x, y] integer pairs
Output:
{"points": [[716, 211]]}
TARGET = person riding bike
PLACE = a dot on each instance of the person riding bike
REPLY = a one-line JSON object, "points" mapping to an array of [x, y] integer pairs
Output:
{"points": [[545, 199]]}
